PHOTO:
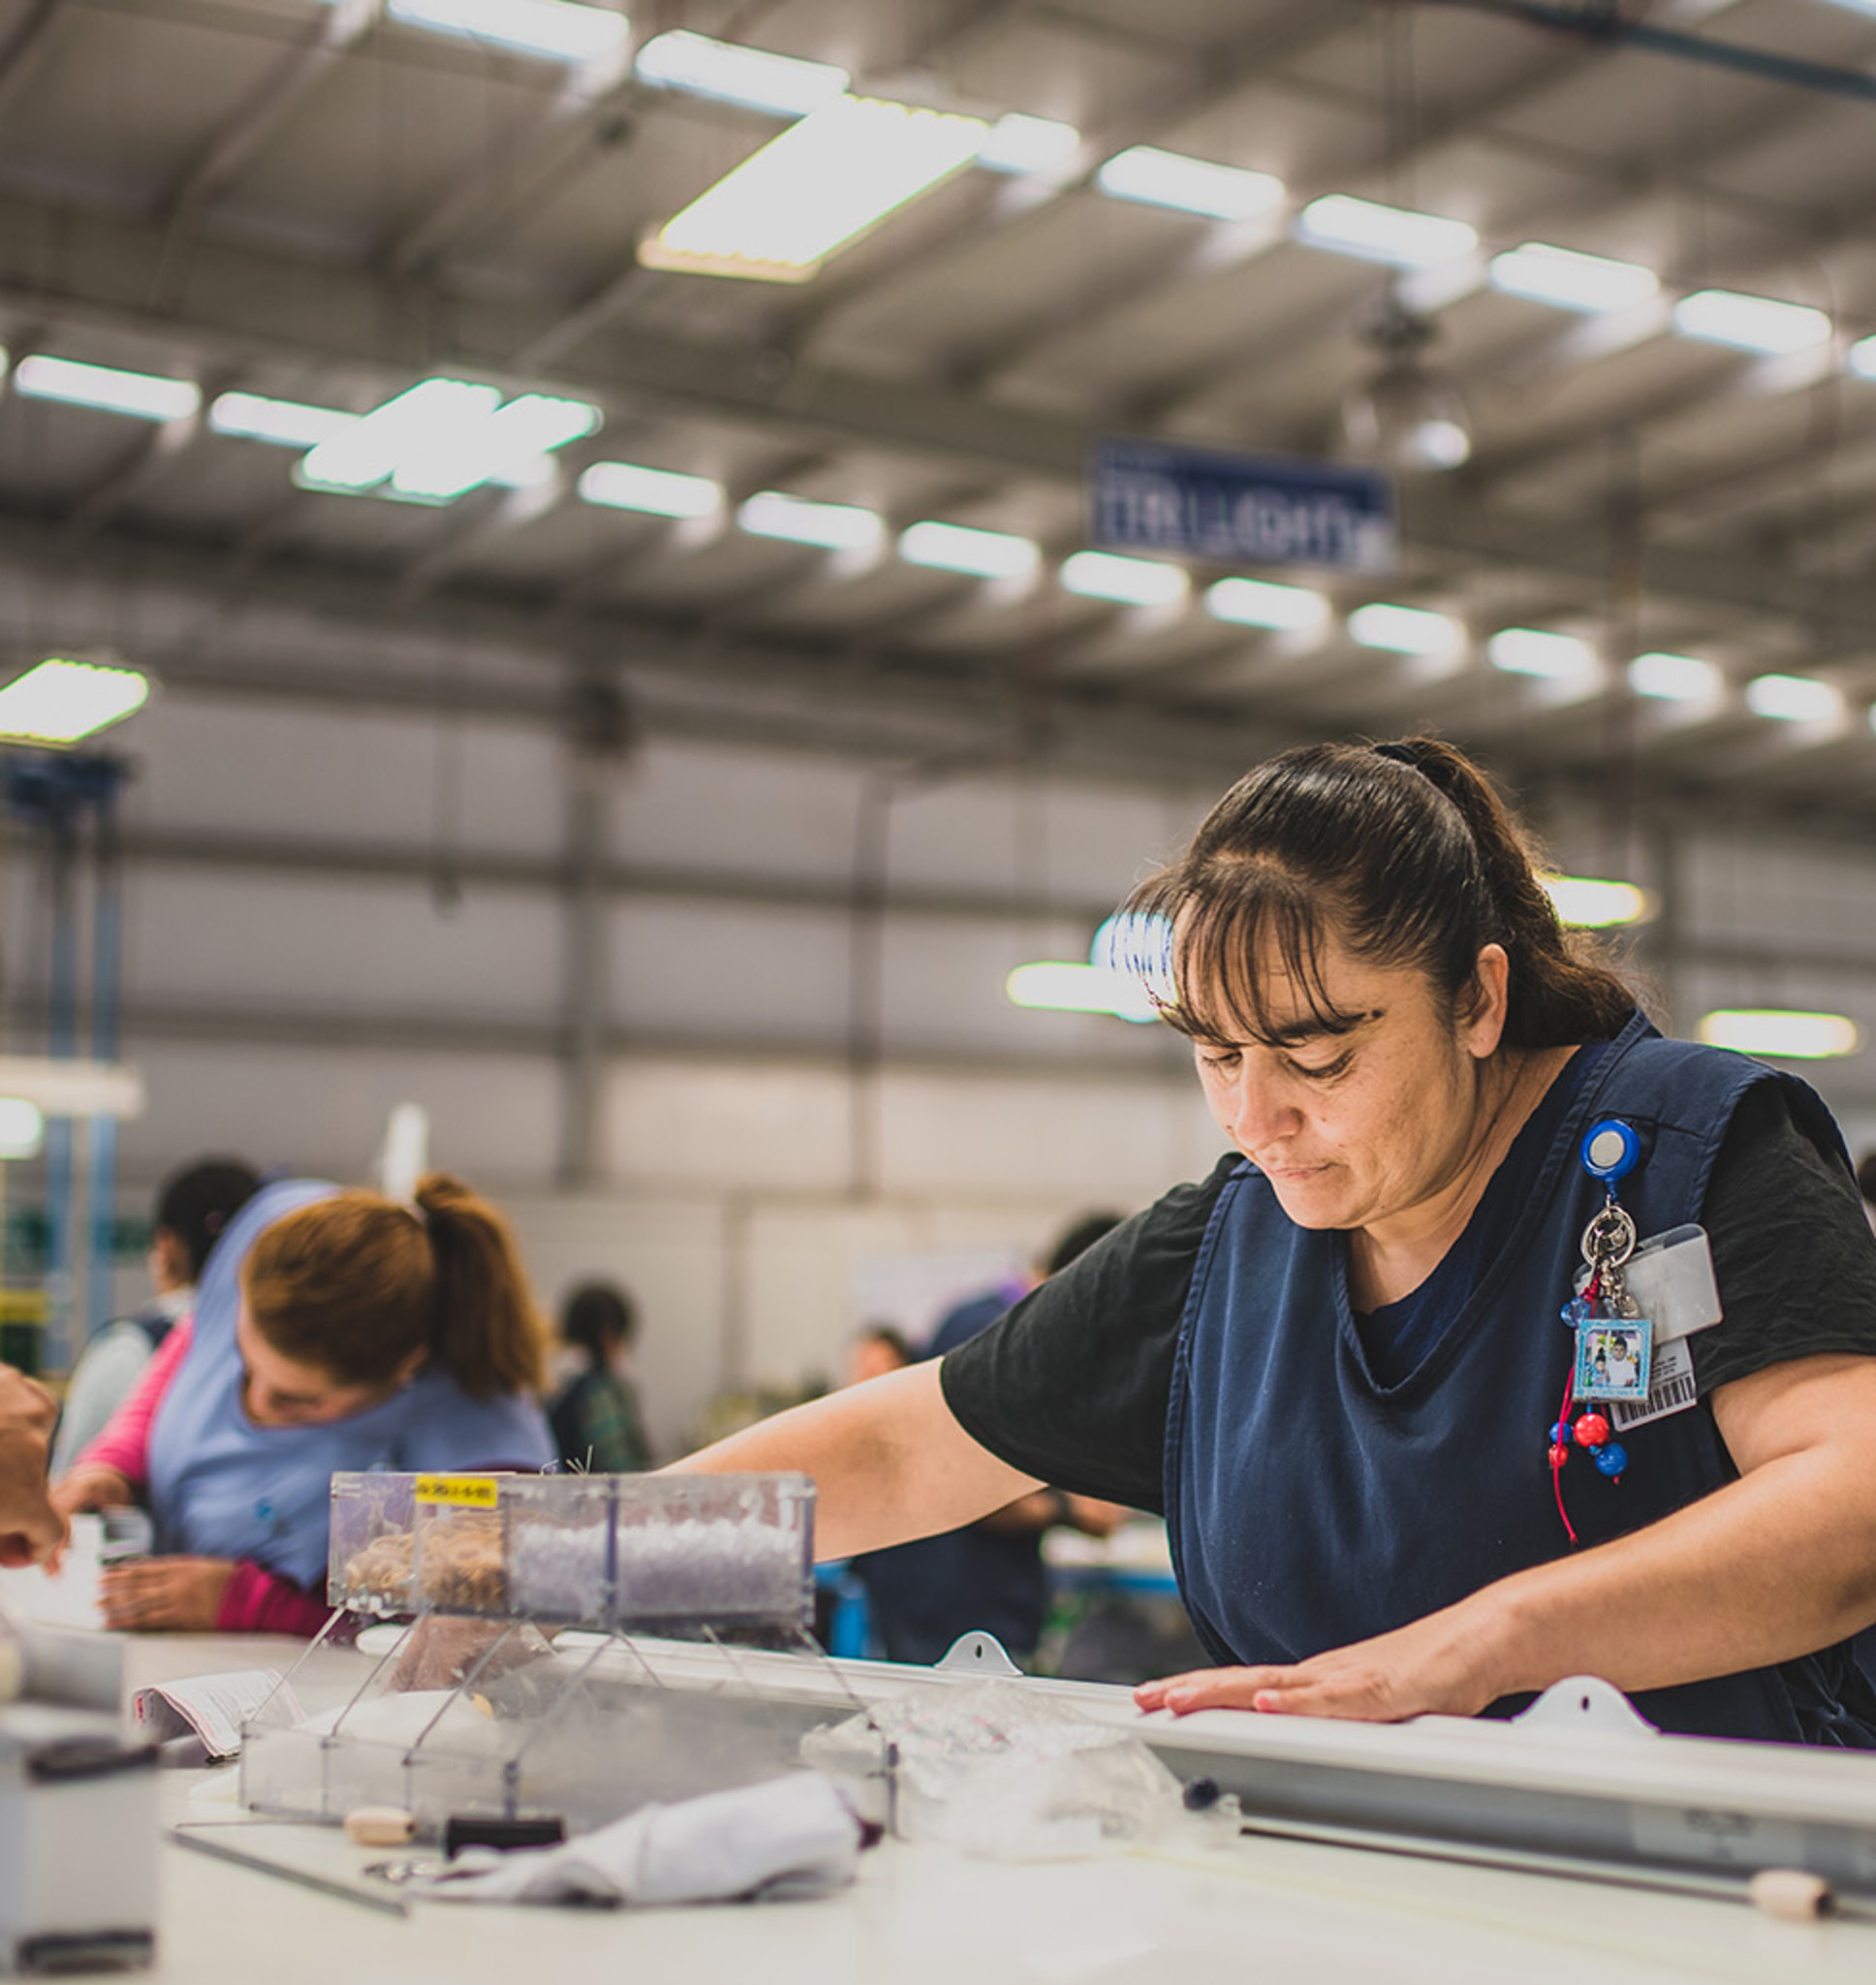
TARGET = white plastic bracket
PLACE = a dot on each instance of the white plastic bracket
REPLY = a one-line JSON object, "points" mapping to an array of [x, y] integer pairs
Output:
{"points": [[1585, 1704], [976, 1653]]}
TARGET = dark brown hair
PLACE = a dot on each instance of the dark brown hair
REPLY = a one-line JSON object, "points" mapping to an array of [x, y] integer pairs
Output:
{"points": [[1405, 852], [352, 1285]]}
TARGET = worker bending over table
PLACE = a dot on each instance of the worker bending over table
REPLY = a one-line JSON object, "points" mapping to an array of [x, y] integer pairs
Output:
{"points": [[1415, 1448], [333, 1331]]}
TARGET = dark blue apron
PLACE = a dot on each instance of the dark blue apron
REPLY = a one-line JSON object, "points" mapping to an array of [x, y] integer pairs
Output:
{"points": [[1310, 1505]]}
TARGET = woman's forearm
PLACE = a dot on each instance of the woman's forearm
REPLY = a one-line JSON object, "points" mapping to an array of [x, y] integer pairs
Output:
{"points": [[1769, 1567], [888, 1463]]}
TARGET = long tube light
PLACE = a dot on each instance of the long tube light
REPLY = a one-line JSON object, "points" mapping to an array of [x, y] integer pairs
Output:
{"points": [[1591, 903], [1154, 178], [58, 702], [1781, 1034], [558, 30], [1018, 142], [1405, 630], [1570, 279], [814, 190], [22, 1127], [1060, 986], [508, 443], [143, 395], [784, 85], [1263, 602], [1750, 324], [1674, 678], [981, 555], [1128, 582], [797, 521], [1375, 233], [1539, 651], [284, 423], [657, 493], [1794, 699]]}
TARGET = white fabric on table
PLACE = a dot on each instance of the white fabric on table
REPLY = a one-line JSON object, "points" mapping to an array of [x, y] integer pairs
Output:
{"points": [[791, 1836]]}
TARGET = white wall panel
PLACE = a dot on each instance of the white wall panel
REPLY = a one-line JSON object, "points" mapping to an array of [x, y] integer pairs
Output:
{"points": [[743, 811], [744, 973], [493, 1117], [229, 938], [251, 769], [726, 1126]]}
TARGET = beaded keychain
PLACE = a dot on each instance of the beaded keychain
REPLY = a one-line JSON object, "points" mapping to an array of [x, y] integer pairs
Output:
{"points": [[1613, 1341]]}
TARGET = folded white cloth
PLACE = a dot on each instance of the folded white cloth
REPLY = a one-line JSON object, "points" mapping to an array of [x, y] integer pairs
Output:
{"points": [[791, 1836]]}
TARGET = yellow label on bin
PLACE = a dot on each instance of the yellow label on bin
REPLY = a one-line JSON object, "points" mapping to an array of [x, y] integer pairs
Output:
{"points": [[465, 1492]]}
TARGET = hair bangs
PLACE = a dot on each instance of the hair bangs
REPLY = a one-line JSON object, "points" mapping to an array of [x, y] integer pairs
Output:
{"points": [[1241, 956]]}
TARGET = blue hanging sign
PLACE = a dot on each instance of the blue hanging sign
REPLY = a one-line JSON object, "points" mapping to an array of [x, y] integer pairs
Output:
{"points": [[1240, 509]]}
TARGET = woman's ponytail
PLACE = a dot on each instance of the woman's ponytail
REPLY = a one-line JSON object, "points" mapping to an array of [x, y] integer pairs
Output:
{"points": [[488, 1334]]}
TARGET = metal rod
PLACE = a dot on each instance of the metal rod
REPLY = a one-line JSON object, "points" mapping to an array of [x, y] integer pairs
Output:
{"points": [[320, 1884]]}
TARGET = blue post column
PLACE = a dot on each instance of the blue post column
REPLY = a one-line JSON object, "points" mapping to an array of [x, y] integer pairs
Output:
{"points": [[107, 960], [62, 1040]]}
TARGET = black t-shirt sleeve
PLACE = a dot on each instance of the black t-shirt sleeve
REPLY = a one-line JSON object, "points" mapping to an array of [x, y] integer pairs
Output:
{"points": [[1792, 1252], [1072, 1386]]}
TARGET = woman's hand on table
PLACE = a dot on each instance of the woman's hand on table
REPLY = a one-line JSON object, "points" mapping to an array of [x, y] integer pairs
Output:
{"points": [[1427, 1668], [164, 1594]]}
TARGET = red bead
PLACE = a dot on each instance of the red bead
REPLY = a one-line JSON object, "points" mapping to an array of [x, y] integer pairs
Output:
{"points": [[1592, 1430], [1559, 1453]]}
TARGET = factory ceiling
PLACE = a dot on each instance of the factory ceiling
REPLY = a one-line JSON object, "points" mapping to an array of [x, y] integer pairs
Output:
{"points": [[268, 204]]}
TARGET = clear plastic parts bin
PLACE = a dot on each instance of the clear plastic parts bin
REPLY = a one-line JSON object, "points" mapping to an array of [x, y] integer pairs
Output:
{"points": [[627, 1553]]}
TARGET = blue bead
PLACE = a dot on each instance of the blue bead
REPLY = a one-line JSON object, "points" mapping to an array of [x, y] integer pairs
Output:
{"points": [[1612, 1459], [1561, 1434], [1576, 1312]]}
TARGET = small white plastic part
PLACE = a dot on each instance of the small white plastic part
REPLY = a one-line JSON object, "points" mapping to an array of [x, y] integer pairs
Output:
{"points": [[1793, 1895], [976, 1653], [1586, 1704]]}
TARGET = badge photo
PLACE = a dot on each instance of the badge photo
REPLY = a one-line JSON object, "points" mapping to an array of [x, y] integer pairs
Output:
{"points": [[1612, 1358]]}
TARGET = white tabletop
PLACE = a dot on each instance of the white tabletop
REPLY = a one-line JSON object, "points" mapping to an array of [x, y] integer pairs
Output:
{"points": [[1251, 1909]]}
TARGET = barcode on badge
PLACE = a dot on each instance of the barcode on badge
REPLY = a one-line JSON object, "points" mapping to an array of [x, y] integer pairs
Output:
{"points": [[1674, 1391]]}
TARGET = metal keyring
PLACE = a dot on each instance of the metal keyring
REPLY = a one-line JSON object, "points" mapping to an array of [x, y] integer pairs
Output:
{"points": [[1609, 1239]]}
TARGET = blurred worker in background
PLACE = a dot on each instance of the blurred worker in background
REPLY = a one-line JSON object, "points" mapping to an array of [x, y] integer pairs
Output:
{"points": [[989, 1576], [31, 1529], [333, 1331], [598, 1425], [193, 1206], [874, 1349]]}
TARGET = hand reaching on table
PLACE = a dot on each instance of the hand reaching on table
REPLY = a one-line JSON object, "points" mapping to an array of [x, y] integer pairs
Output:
{"points": [[164, 1594]]}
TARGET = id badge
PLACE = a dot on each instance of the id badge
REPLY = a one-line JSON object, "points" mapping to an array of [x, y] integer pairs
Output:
{"points": [[1614, 1357]]}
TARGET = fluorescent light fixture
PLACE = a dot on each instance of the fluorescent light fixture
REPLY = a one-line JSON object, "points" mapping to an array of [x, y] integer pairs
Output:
{"points": [[1262, 603], [286, 423], [1139, 944], [22, 1127], [984, 554], [560, 30], [58, 701], [1588, 903], [795, 521], [814, 189], [1171, 179], [1132, 581], [1060, 986], [1751, 323], [1570, 279], [1396, 235], [63, 1085], [1405, 630], [1794, 699], [142, 395], [1781, 1034], [507, 445], [784, 85], [413, 422], [657, 493], [1674, 678], [1021, 144], [1862, 357], [1537, 651]]}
